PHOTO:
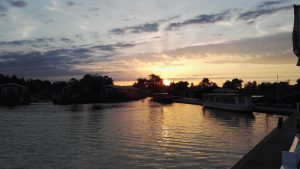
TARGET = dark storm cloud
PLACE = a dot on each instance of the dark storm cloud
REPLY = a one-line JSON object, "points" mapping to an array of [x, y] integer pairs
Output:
{"points": [[201, 19], [251, 15], [17, 3], [147, 27]]}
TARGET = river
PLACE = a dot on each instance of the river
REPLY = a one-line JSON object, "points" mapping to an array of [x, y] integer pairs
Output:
{"points": [[138, 134]]}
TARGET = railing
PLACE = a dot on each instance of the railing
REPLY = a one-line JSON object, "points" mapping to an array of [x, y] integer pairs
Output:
{"points": [[291, 158]]}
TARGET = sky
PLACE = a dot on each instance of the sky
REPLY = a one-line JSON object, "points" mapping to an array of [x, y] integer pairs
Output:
{"points": [[130, 39]]}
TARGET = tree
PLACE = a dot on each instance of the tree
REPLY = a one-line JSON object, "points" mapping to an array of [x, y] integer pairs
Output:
{"points": [[233, 84], [192, 85], [155, 83], [206, 83], [176, 88], [141, 83], [155, 79], [251, 85]]}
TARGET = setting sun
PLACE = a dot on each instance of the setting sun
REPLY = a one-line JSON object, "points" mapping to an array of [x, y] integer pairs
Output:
{"points": [[166, 82]]}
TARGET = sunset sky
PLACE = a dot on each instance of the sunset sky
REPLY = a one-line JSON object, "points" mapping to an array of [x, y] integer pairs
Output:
{"points": [[129, 39]]}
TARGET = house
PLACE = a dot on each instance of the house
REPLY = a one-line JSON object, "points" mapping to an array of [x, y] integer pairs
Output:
{"points": [[13, 94]]}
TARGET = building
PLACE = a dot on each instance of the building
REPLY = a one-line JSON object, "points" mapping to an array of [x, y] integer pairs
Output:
{"points": [[13, 94]]}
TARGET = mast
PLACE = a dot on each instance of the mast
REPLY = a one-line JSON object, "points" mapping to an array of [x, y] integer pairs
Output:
{"points": [[277, 90]]}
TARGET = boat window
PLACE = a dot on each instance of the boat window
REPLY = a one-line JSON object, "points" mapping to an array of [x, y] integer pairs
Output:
{"points": [[214, 98], [232, 100], [226, 99], [249, 100], [219, 99], [241, 100]]}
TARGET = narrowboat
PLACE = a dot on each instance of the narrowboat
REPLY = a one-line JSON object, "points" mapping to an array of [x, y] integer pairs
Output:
{"points": [[228, 99]]}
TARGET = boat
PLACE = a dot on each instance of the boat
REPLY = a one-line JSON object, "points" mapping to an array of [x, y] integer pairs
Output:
{"points": [[162, 98], [228, 99]]}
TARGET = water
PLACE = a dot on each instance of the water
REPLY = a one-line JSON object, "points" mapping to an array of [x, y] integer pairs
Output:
{"points": [[140, 134]]}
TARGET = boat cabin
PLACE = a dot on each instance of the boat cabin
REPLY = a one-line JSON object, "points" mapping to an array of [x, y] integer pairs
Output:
{"points": [[228, 99]]}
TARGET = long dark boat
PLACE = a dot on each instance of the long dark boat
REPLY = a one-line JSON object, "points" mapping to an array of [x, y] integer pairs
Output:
{"points": [[163, 97]]}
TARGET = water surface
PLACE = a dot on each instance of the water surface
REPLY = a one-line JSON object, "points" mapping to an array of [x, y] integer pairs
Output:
{"points": [[139, 134]]}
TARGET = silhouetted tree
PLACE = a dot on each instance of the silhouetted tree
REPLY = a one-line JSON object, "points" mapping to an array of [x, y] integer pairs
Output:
{"points": [[251, 86], [141, 83], [233, 84], [206, 83], [176, 88], [192, 85], [155, 83]]}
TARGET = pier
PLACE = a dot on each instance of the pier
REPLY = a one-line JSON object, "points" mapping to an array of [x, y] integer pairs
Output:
{"points": [[267, 153]]}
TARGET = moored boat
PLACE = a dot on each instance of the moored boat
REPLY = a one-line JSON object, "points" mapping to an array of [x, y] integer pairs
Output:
{"points": [[228, 99], [162, 97]]}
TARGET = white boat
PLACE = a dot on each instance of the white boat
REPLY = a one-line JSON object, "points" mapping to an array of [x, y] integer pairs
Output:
{"points": [[228, 99]]}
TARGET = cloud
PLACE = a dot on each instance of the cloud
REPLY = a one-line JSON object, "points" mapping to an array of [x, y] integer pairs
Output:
{"points": [[3, 8], [56, 62], [17, 3], [269, 3], [70, 3], [33, 42], [250, 16], [55, 6], [93, 9], [66, 40], [113, 47], [201, 19], [269, 50], [147, 27], [50, 63]]}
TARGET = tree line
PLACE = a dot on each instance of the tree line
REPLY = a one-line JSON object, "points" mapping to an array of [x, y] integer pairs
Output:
{"points": [[155, 83], [90, 85], [44, 89]]}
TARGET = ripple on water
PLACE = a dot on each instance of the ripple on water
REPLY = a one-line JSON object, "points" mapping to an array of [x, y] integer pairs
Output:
{"points": [[140, 134]]}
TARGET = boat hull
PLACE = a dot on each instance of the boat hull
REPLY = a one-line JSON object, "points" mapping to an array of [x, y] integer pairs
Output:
{"points": [[240, 108]]}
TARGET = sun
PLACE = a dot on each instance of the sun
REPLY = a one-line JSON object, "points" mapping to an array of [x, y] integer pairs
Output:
{"points": [[166, 82]]}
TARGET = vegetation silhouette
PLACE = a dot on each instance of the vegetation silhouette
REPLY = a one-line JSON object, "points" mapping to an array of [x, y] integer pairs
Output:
{"points": [[88, 88]]}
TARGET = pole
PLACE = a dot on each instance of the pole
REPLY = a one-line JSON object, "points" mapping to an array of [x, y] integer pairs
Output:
{"points": [[277, 90]]}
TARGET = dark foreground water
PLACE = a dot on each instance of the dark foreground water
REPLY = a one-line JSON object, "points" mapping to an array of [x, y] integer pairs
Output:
{"points": [[139, 134]]}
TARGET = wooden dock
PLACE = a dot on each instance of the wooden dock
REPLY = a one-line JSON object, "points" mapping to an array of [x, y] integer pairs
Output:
{"points": [[267, 154]]}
